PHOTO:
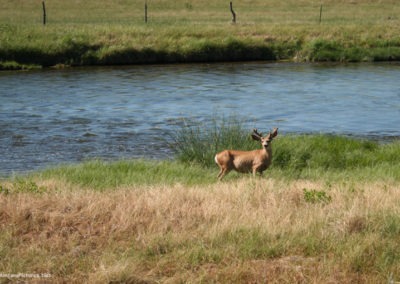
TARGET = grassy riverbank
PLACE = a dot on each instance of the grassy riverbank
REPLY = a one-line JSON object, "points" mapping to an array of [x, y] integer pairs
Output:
{"points": [[326, 211], [93, 32]]}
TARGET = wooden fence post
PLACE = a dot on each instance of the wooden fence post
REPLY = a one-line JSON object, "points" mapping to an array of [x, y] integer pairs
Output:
{"points": [[44, 13], [233, 13], [320, 13]]}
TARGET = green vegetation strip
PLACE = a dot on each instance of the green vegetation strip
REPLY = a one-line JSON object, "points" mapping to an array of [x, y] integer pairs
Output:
{"points": [[314, 157], [100, 33]]}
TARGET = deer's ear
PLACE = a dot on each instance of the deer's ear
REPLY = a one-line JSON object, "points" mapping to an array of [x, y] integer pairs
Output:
{"points": [[274, 132]]}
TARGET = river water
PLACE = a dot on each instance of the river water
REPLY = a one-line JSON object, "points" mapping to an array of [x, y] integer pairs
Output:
{"points": [[50, 117]]}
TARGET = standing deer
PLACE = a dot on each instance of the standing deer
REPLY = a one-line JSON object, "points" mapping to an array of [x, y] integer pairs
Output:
{"points": [[247, 161]]}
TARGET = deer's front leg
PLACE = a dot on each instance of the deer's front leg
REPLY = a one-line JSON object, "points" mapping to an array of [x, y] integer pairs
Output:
{"points": [[257, 169]]}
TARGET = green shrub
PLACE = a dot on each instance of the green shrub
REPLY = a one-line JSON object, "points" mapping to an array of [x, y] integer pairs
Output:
{"points": [[316, 196]]}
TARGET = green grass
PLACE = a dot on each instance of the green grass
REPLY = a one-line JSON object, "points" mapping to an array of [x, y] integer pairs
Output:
{"points": [[313, 156], [101, 32], [294, 156], [110, 175]]}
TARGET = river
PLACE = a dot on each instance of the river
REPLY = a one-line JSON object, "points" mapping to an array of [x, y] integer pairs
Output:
{"points": [[48, 117]]}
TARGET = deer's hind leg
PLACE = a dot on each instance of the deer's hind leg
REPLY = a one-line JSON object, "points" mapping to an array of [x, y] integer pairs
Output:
{"points": [[222, 160], [222, 173]]}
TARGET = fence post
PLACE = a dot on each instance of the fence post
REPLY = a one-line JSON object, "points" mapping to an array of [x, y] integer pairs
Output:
{"points": [[145, 11], [233, 13], [320, 13], [44, 13]]}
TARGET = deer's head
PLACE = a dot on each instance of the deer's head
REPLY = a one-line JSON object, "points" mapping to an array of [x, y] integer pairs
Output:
{"points": [[265, 141]]}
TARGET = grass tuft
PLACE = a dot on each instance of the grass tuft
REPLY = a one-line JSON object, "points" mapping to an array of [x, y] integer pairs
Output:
{"points": [[198, 142]]}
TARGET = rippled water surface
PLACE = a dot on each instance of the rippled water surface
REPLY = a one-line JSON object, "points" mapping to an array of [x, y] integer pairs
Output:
{"points": [[56, 116]]}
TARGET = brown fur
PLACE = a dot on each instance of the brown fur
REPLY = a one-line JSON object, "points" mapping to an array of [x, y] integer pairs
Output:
{"points": [[247, 161]]}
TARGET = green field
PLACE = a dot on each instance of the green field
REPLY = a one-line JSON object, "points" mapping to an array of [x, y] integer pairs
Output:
{"points": [[327, 211], [114, 32]]}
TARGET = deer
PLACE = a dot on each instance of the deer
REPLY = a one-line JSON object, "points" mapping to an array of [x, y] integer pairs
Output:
{"points": [[247, 161]]}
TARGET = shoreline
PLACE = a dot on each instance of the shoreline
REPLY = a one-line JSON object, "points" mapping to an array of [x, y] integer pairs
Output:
{"points": [[4, 175], [232, 50]]}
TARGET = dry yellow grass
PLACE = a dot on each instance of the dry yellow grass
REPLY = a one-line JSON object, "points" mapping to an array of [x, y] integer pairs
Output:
{"points": [[247, 230]]}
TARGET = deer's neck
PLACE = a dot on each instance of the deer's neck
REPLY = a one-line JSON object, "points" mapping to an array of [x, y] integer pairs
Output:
{"points": [[267, 151]]}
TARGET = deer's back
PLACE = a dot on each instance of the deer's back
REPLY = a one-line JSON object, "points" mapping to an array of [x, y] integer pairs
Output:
{"points": [[243, 161]]}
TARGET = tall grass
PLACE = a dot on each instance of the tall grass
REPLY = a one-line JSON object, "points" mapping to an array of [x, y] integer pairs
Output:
{"points": [[196, 142], [232, 232]]}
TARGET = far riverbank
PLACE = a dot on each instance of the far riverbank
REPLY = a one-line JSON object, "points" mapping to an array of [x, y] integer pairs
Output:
{"points": [[97, 33]]}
